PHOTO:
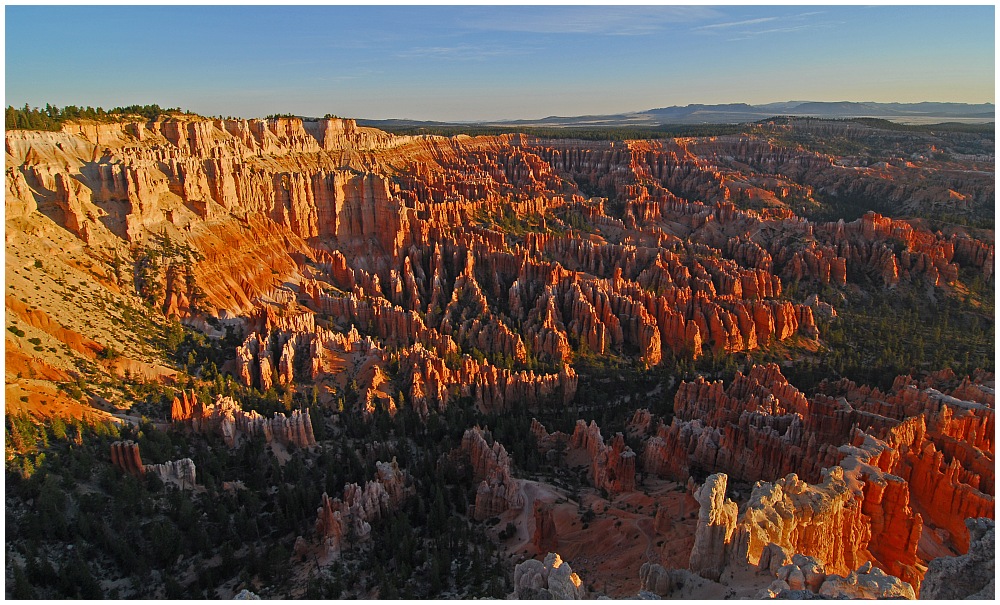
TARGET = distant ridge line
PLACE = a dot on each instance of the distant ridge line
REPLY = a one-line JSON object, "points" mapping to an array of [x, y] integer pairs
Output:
{"points": [[734, 113]]}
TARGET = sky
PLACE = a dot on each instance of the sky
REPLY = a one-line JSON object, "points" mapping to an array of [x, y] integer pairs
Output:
{"points": [[463, 63]]}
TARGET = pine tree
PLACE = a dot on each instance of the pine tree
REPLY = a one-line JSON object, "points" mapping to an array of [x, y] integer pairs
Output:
{"points": [[22, 588]]}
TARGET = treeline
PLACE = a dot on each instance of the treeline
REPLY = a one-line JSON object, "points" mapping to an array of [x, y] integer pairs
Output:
{"points": [[52, 117], [988, 127], [327, 116], [883, 124]]}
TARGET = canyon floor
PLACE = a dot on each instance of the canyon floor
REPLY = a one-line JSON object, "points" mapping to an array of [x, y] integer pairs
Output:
{"points": [[313, 359]]}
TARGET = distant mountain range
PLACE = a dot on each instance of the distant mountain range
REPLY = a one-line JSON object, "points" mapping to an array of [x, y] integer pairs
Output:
{"points": [[735, 113]]}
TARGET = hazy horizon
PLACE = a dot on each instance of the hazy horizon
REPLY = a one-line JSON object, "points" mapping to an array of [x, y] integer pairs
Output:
{"points": [[462, 63]]}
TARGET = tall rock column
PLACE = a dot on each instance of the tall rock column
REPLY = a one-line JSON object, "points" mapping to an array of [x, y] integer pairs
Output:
{"points": [[716, 524], [125, 455]]}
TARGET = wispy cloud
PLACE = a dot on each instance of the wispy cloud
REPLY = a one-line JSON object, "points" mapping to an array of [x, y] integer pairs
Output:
{"points": [[717, 26], [781, 30], [762, 26], [594, 20]]}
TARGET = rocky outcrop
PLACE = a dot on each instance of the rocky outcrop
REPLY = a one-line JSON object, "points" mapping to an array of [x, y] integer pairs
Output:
{"points": [[18, 199], [805, 578], [125, 456], [937, 426], [548, 442], [822, 521], [612, 466], [183, 408], [968, 576], [876, 457], [654, 578], [228, 419], [716, 524], [498, 491], [432, 381], [837, 525], [181, 473], [465, 246], [238, 189], [551, 579], [822, 524], [379, 318], [754, 429], [432, 271], [545, 538], [345, 522], [868, 582]]}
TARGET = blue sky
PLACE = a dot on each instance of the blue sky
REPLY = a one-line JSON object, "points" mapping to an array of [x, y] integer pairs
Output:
{"points": [[469, 63]]}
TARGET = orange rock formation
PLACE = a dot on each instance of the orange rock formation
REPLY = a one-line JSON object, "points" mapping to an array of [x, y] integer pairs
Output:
{"points": [[885, 465], [612, 466], [227, 418], [498, 491], [347, 520], [125, 455]]}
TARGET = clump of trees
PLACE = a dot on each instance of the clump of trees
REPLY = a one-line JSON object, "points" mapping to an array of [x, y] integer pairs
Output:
{"points": [[52, 117]]}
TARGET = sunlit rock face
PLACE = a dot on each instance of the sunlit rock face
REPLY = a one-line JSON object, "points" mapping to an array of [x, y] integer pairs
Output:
{"points": [[864, 503]]}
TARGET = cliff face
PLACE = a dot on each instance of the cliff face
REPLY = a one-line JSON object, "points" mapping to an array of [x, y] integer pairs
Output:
{"points": [[821, 524], [823, 521]]}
